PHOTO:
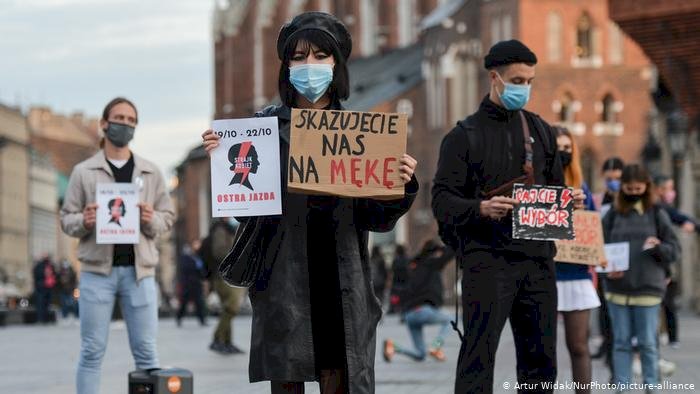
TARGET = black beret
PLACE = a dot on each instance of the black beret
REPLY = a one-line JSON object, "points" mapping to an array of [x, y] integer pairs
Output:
{"points": [[315, 20], [509, 52]]}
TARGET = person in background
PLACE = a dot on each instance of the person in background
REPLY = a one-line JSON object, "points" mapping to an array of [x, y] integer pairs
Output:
{"points": [[190, 273], [213, 250], [576, 295], [611, 171], [379, 272], [109, 271], [67, 283], [399, 272], [44, 284], [634, 296], [666, 197], [421, 301]]}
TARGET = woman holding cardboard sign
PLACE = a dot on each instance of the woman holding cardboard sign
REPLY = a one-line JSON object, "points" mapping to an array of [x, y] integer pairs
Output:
{"points": [[576, 295], [315, 314]]}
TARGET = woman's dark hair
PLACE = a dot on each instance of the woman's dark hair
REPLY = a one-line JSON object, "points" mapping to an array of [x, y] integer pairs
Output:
{"points": [[108, 108], [635, 173], [340, 86], [613, 163]]}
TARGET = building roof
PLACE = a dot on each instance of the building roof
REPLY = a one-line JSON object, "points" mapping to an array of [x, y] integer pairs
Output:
{"points": [[441, 13], [383, 77], [668, 33]]}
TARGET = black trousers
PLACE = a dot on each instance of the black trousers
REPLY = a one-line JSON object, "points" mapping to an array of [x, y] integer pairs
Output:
{"points": [[193, 293], [670, 310], [500, 287]]}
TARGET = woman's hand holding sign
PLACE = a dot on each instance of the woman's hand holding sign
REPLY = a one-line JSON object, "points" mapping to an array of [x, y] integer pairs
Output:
{"points": [[579, 198], [408, 167], [210, 141]]}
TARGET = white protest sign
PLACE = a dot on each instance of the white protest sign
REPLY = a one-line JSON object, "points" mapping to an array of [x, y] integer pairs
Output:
{"points": [[618, 256], [245, 168], [118, 214]]}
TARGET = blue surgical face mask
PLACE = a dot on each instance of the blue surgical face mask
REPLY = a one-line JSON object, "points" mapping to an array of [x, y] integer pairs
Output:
{"points": [[311, 80], [514, 97], [613, 185]]}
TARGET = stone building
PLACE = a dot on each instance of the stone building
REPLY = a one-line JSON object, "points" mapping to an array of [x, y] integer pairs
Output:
{"points": [[15, 259]]}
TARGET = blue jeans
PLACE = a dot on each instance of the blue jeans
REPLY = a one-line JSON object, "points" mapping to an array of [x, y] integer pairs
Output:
{"points": [[635, 321], [139, 305], [415, 320]]}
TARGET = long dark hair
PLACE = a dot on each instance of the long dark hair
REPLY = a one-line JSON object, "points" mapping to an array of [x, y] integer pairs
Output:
{"points": [[635, 173], [340, 86]]}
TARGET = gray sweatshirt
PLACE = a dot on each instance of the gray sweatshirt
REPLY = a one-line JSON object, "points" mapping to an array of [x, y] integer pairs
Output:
{"points": [[648, 268]]}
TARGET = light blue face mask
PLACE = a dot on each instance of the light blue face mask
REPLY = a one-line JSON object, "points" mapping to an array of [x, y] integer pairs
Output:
{"points": [[514, 97], [311, 80]]}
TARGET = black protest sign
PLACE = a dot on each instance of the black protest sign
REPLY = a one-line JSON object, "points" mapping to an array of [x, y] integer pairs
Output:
{"points": [[543, 212]]}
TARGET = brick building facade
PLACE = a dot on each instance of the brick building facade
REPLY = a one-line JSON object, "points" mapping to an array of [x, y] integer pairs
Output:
{"points": [[590, 77]]}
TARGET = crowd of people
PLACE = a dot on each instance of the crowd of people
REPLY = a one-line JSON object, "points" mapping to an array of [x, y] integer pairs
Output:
{"points": [[316, 305]]}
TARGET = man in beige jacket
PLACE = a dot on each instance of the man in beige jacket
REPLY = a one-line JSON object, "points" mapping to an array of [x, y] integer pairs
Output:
{"points": [[124, 270]]}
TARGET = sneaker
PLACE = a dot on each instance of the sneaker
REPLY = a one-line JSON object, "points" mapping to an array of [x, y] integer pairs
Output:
{"points": [[437, 354], [667, 368], [389, 350], [637, 367], [220, 348], [233, 349], [675, 345]]}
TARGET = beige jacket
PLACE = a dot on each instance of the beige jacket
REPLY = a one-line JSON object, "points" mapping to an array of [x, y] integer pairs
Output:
{"points": [[81, 192]]}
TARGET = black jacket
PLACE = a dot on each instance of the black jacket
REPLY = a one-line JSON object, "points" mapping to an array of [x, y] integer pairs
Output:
{"points": [[424, 285], [281, 340], [497, 157]]}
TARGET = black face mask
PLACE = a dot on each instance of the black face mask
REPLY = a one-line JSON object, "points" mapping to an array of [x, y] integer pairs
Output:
{"points": [[565, 158], [632, 198]]}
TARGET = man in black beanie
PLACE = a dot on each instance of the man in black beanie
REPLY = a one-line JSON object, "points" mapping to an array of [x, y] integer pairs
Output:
{"points": [[504, 278]]}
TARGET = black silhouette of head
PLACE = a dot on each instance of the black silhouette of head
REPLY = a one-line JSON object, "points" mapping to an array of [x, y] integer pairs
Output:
{"points": [[244, 161]]}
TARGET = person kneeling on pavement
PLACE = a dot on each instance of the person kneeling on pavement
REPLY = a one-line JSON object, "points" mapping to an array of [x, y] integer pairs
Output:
{"points": [[421, 302]]}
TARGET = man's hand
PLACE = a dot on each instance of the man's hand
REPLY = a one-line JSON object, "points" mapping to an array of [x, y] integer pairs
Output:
{"points": [[497, 207], [146, 213], [90, 216], [688, 227], [579, 198]]}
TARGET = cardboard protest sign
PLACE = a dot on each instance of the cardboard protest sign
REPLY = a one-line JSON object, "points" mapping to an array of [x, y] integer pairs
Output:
{"points": [[618, 257], [118, 215], [587, 247], [347, 153], [544, 212], [245, 168]]}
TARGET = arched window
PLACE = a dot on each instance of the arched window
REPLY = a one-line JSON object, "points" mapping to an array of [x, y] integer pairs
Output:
{"points": [[609, 114], [554, 37], [584, 37], [566, 111]]}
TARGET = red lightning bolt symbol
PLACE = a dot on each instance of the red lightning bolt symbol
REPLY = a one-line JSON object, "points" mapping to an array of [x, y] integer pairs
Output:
{"points": [[566, 198], [239, 167]]}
